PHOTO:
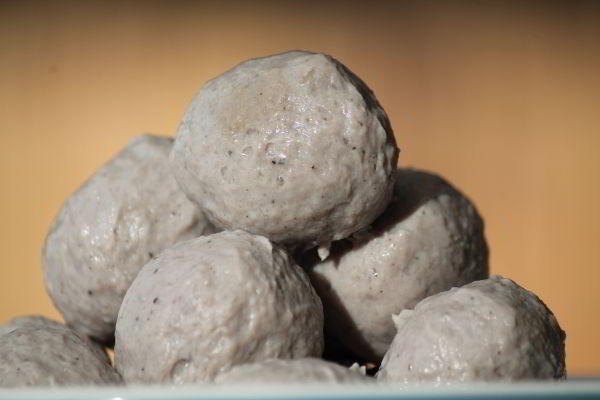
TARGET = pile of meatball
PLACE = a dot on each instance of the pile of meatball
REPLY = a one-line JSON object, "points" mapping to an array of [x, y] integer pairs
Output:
{"points": [[274, 240]]}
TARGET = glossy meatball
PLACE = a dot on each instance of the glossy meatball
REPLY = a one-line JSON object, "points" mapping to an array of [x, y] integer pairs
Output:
{"points": [[488, 330], [122, 217], [293, 146], [303, 370], [51, 357], [41, 322], [429, 239], [207, 304]]}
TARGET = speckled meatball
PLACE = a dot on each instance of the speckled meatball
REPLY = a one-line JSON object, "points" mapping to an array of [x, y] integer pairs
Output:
{"points": [[304, 370], [487, 330], [429, 239], [30, 321], [41, 322], [209, 303], [123, 216], [51, 357], [293, 146]]}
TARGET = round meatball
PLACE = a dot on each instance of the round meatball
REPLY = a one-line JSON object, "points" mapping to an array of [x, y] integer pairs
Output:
{"points": [[30, 321], [51, 357], [304, 370], [123, 216], [488, 330], [429, 239], [294, 147], [41, 322], [209, 303]]}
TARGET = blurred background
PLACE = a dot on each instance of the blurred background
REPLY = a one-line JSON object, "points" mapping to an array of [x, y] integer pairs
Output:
{"points": [[500, 97]]}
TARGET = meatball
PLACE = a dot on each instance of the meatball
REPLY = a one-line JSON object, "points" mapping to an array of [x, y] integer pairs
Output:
{"points": [[123, 216], [32, 356], [209, 303], [30, 321], [303, 370], [429, 239], [487, 330], [41, 322], [294, 147]]}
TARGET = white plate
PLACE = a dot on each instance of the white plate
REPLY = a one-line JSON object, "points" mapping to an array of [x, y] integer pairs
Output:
{"points": [[571, 390]]}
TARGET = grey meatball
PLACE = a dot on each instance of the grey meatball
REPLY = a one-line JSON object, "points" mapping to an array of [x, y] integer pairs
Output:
{"points": [[304, 370], [429, 239], [293, 146], [123, 216], [41, 322], [51, 357], [30, 321], [488, 330], [209, 303]]}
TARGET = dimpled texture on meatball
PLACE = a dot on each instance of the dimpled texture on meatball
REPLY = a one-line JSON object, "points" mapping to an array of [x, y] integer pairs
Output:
{"points": [[429, 239], [30, 321], [41, 322], [304, 370], [489, 330], [209, 303], [293, 147], [51, 357], [123, 216]]}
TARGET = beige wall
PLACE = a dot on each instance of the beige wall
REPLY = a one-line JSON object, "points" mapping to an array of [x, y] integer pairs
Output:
{"points": [[501, 98]]}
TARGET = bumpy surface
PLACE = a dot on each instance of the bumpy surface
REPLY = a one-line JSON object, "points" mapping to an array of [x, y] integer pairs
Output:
{"points": [[488, 330], [41, 322], [209, 303], [304, 370], [51, 357], [429, 239], [293, 147], [30, 321], [121, 218]]}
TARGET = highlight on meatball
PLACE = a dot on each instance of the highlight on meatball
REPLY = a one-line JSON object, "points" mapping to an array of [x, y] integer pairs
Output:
{"points": [[296, 371], [489, 330], [45, 357], [122, 217], [293, 146], [207, 304], [429, 239]]}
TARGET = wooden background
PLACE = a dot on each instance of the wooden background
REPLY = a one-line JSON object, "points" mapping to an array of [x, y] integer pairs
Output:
{"points": [[502, 98]]}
